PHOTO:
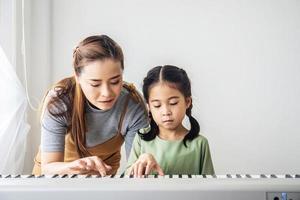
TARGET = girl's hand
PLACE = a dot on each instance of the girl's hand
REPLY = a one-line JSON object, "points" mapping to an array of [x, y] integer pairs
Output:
{"points": [[145, 165], [89, 165]]}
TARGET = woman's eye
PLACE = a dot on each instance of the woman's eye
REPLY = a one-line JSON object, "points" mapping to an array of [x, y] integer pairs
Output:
{"points": [[115, 82], [94, 85], [156, 106]]}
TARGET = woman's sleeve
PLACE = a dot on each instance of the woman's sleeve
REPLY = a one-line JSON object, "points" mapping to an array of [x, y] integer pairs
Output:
{"points": [[134, 154], [53, 130], [136, 120], [206, 165]]}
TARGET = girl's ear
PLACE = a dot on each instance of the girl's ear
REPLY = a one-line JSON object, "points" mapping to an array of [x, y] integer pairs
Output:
{"points": [[188, 102]]}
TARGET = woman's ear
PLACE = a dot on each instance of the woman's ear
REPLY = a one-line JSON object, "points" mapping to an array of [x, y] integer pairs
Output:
{"points": [[188, 102]]}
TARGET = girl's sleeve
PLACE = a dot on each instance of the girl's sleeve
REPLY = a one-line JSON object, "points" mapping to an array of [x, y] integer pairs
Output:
{"points": [[206, 165], [134, 154]]}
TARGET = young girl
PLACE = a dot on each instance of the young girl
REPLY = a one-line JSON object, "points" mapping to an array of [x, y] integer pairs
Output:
{"points": [[87, 117], [167, 147]]}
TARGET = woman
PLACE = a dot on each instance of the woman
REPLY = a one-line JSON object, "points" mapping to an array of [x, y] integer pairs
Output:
{"points": [[87, 117]]}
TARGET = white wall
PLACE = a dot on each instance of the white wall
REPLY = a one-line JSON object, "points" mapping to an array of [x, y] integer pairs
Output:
{"points": [[242, 58]]}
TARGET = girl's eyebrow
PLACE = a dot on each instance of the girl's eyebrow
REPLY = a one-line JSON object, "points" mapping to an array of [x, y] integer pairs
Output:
{"points": [[114, 77], [173, 97]]}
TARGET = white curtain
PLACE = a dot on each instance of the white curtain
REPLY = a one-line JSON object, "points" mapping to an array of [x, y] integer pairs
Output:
{"points": [[13, 126]]}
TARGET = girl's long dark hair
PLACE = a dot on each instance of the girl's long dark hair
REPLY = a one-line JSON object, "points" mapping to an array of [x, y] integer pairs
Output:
{"points": [[178, 78]]}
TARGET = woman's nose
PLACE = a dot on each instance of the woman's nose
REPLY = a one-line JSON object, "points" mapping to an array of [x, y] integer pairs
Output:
{"points": [[105, 91]]}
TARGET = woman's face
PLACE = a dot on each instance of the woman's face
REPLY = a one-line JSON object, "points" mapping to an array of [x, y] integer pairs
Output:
{"points": [[101, 82]]}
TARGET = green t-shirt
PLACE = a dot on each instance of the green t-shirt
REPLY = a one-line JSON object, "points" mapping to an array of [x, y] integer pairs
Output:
{"points": [[173, 157]]}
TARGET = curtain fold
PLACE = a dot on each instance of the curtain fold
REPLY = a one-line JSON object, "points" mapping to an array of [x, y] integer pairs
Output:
{"points": [[13, 125]]}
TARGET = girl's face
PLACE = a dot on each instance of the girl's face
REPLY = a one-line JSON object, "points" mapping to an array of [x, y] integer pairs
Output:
{"points": [[167, 105], [101, 82]]}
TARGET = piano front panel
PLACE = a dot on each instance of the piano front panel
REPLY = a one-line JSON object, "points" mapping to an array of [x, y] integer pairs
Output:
{"points": [[81, 187]]}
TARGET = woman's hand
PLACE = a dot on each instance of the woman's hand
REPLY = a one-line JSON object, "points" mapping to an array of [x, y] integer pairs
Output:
{"points": [[89, 165], [145, 165]]}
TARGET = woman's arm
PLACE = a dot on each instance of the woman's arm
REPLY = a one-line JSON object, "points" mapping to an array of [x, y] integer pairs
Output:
{"points": [[52, 163]]}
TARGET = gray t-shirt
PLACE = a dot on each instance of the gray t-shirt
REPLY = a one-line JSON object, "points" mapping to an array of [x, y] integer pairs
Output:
{"points": [[101, 125]]}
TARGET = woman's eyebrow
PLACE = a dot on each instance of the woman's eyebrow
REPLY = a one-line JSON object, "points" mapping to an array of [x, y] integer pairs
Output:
{"points": [[114, 77]]}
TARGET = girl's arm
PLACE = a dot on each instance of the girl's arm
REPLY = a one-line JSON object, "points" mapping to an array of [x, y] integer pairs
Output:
{"points": [[207, 167], [140, 163]]}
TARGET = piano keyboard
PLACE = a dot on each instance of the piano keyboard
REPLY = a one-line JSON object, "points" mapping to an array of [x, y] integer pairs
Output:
{"points": [[152, 187]]}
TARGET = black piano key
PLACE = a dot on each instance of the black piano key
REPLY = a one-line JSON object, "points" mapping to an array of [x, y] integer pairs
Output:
{"points": [[248, 176], [31, 176], [122, 175], [180, 175], [131, 176], [155, 175], [273, 176], [113, 175], [214, 176], [145, 176], [0, 176], [288, 176], [170, 176], [189, 176], [204, 175], [64, 176], [238, 176], [74, 176], [55, 176], [41, 176], [98, 176], [297, 176], [263, 176], [228, 176], [88, 176], [8, 176]]}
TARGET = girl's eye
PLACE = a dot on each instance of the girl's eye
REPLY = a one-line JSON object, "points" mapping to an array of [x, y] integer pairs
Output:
{"points": [[96, 85], [156, 106], [173, 103]]}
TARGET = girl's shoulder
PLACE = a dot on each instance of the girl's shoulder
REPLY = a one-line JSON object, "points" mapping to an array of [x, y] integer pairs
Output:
{"points": [[200, 140]]}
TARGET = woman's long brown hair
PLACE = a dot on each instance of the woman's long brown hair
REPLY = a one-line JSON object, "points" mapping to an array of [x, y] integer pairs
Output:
{"points": [[69, 92]]}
